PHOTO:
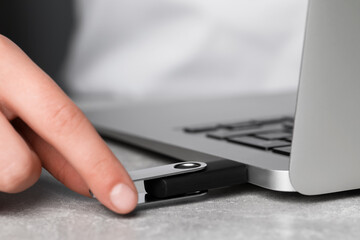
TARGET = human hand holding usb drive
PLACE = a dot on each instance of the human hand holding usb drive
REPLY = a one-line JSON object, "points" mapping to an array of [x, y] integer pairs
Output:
{"points": [[41, 127]]}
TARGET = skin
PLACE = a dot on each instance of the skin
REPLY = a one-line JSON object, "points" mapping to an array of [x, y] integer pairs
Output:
{"points": [[41, 127]]}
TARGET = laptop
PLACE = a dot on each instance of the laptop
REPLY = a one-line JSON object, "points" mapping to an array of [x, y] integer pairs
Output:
{"points": [[308, 142]]}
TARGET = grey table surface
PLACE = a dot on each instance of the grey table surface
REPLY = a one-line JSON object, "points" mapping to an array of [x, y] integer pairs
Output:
{"points": [[48, 210]]}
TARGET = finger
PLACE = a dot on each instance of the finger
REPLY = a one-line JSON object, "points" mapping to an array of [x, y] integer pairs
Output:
{"points": [[20, 168], [40, 103], [52, 160]]}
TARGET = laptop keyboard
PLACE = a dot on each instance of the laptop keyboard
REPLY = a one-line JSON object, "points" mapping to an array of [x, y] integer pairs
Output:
{"points": [[274, 134]]}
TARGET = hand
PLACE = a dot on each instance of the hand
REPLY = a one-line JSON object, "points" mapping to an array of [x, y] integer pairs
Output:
{"points": [[41, 127]]}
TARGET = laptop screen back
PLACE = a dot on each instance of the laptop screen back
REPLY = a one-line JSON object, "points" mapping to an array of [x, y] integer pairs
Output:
{"points": [[326, 149]]}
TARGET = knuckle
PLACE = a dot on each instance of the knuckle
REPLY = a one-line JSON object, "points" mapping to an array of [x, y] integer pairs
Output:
{"points": [[8, 61], [4, 42], [5, 46], [65, 119], [20, 175]]}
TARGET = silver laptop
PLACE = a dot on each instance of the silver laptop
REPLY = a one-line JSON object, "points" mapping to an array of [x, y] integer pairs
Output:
{"points": [[307, 142]]}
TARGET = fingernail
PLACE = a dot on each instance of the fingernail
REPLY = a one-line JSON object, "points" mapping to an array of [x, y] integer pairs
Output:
{"points": [[123, 198]]}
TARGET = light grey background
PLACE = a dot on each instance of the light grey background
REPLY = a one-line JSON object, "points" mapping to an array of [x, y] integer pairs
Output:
{"points": [[48, 210], [174, 49]]}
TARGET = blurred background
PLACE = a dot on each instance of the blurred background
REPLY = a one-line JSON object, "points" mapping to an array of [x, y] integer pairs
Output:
{"points": [[140, 50]]}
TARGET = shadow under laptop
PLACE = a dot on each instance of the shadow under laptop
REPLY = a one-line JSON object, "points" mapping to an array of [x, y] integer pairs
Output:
{"points": [[289, 197]]}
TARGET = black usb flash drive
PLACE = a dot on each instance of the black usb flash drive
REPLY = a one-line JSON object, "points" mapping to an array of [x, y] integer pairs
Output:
{"points": [[219, 173]]}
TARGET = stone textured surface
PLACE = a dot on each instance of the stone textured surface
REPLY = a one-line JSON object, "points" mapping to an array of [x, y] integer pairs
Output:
{"points": [[50, 211]]}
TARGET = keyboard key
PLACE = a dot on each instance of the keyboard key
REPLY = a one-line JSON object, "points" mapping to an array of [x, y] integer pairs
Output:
{"points": [[289, 139], [259, 143], [271, 121], [240, 125], [274, 135], [201, 128], [288, 118], [289, 124], [283, 150], [223, 134]]}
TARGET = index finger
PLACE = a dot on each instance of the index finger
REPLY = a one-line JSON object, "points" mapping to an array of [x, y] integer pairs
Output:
{"points": [[26, 90]]}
